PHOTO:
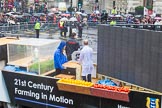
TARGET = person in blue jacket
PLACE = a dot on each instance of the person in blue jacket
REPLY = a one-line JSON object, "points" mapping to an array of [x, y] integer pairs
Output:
{"points": [[59, 57]]}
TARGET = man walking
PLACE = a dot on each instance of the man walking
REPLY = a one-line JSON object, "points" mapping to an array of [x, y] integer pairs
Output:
{"points": [[37, 28], [86, 61]]}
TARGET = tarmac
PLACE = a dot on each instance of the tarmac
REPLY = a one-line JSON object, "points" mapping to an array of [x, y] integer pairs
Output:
{"points": [[90, 34]]}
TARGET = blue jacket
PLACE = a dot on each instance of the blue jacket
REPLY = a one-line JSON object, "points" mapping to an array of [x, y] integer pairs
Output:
{"points": [[59, 57]]}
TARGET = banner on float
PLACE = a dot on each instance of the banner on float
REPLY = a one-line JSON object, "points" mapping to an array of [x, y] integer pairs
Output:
{"points": [[3, 90], [34, 90], [42, 92]]}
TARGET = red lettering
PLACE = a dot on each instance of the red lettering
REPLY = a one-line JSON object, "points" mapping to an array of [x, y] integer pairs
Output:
{"points": [[71, 42]]}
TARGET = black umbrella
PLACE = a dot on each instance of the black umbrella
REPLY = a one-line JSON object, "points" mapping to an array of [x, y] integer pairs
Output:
{"points": [[26, 14], [38, 14]]}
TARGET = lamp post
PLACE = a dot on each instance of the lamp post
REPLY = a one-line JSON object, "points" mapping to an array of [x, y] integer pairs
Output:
{"points": [[71, 3], [71, 6]]}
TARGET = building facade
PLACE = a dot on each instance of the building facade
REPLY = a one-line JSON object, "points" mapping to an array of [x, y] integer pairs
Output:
{"points": [[122, 6], [125, 6], [157, 6]]}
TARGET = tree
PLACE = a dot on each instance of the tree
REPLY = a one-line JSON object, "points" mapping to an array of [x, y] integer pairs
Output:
{"points": [[139, 10], [70, 9]]}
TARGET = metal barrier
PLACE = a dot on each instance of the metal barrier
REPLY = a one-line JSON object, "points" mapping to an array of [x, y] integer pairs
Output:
{"points": [[142, 26], [20, 28]]}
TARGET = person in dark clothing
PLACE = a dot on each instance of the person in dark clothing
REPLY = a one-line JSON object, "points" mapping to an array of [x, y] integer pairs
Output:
{"points": [[71, 46], [65, 29], [72, 28], [80, 29], [60, 58]]}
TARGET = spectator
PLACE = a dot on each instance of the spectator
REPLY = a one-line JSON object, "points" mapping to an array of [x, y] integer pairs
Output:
{"points": [[71, 45], [86, 61], [65, 29], [72, 28], [37, 28], [113, 11], [61, 27], [113, 22], [80, 29]]}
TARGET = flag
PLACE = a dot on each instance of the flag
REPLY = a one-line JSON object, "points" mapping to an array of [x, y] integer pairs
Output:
{"points": [[145, 11]]}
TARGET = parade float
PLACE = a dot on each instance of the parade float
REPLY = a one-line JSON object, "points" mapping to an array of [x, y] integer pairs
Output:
{"points": [[122, 80]]}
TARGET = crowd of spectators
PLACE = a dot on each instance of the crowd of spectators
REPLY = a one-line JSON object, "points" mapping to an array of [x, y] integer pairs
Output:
{"points": [[145, 22]]}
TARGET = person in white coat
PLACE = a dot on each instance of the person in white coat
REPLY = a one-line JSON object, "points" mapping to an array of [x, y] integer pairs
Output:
{"points": [[86, 61]]}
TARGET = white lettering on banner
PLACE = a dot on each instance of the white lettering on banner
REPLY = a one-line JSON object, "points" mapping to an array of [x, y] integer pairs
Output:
{"points": [[27, 93], [60, 99], [40, 86], [27, 88], [18, 82], [120, 106]]}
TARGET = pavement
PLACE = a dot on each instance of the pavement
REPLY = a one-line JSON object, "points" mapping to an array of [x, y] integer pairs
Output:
{"points": [[90, 34]]}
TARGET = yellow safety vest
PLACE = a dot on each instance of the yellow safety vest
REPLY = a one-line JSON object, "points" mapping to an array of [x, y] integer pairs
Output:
{"points": [[113, 23], [113, 11], [61, 24], [37, 25]]}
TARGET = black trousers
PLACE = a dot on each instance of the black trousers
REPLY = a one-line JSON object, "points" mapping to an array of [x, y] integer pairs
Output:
{"points": [[80, 33], [37, 33], [69, 57], [87, 78]]}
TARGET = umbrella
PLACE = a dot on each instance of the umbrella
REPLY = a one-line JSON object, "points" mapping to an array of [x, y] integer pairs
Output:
{"points": [[19, 16], [157, 18], [9, 14], [64, 19], [10, 6], [73, 19], [79, 12], [118, 16], [42, 14], [50, 14], [96, 12], [26, 14], [66, 15], [83, 14], [38, 14]]}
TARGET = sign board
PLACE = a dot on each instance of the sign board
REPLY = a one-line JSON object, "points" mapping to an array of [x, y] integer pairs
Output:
{"points": [[62, 6], [42, 92]]}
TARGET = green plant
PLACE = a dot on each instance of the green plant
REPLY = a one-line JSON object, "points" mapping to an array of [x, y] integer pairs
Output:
{"points": [[139, 10], [45, 66]]}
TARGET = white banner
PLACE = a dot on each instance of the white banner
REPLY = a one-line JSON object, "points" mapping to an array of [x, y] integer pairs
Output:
{"points": [[145, 11]]}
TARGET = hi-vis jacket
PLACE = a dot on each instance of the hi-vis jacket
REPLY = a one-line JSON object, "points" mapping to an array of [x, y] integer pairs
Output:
{"points": [[37, 26]]}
